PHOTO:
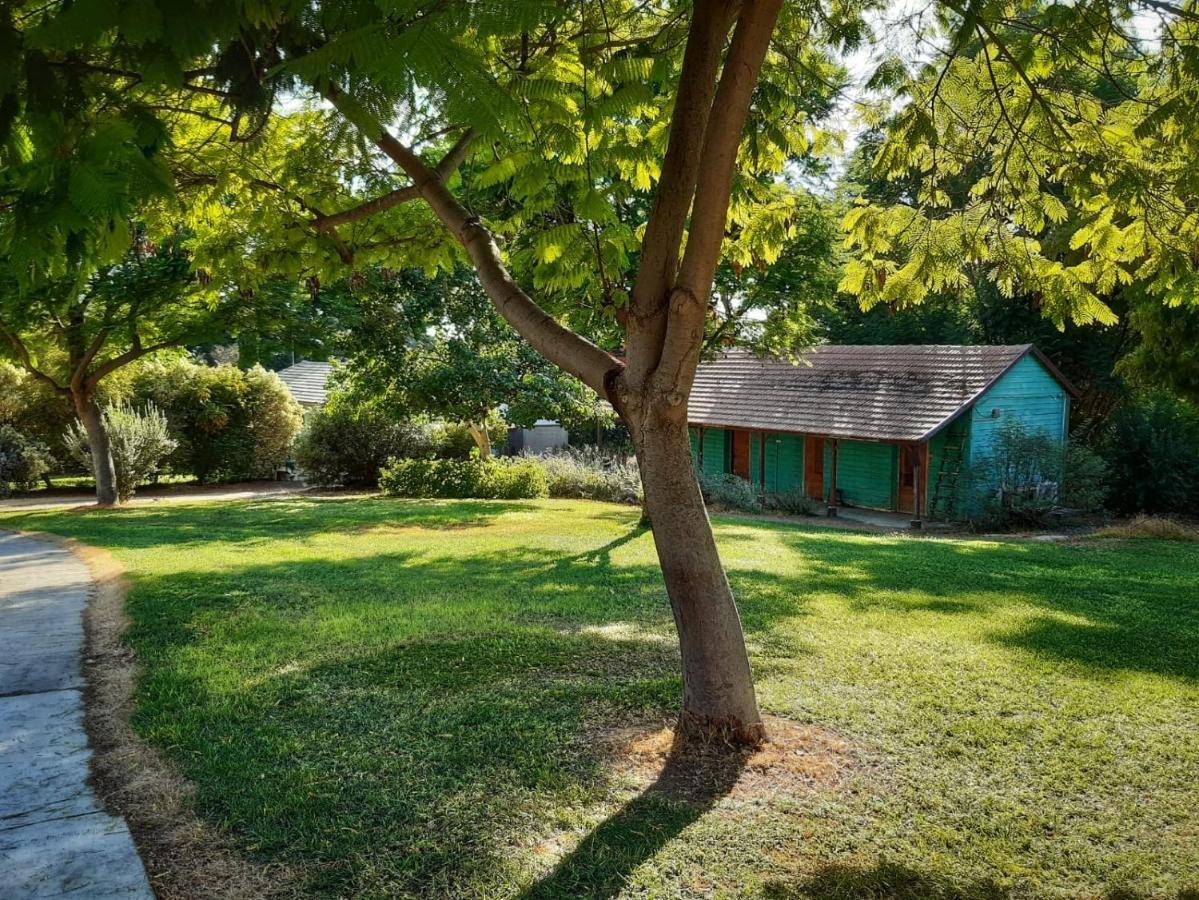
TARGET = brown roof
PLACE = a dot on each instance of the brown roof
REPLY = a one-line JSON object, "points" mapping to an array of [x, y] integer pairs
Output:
{"points": [[890, 393]]}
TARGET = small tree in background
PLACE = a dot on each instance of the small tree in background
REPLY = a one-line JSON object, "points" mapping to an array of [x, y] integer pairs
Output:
{"points": [[438, 347], [138, 440], [22, 460]]}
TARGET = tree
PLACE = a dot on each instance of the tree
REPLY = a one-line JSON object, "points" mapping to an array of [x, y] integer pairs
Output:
{"points": [[70, 337], [438, 347], [593, 119]]}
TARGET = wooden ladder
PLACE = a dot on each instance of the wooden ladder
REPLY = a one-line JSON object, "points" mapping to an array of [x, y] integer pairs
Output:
{"points": [[949, 469]]}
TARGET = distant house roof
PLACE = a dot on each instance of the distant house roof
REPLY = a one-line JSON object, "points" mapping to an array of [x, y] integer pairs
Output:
{"points": [[307, 382], [890, 393]]}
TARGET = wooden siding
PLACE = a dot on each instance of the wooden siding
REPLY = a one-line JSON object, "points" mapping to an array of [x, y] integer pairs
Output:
{"points": [[867, 473], [1027, 394], [716, 451]]}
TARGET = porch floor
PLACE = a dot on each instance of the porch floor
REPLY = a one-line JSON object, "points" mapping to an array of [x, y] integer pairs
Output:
{"points": [[878, 518]]}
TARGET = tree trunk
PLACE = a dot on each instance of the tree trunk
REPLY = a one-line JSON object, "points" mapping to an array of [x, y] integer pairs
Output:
{"points": [[719, 702], [482, 438], [103, 466]]}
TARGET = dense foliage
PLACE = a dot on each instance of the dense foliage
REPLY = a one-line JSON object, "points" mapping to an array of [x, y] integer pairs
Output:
{"points": [[1153, 450], [230, 423], [511, 478], [22, 460], [346, 443], [140, 441]]}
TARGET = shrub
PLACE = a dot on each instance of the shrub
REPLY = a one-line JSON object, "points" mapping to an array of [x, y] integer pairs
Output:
{"points": [[586, 473], [229, 424], [1086, 478], [1153, 451], [488, 479], [139, 440], [1158, 528], [348, 443], [730, 491], [22, 460], [1019, 484], [794, 503]]}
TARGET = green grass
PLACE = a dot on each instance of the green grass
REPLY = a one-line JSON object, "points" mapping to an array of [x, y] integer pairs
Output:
{"points": [[403, 698]]}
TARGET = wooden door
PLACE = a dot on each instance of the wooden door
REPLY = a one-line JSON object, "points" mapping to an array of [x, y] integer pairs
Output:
{"points": [[813, 467], [741, 454], [913, 475]]}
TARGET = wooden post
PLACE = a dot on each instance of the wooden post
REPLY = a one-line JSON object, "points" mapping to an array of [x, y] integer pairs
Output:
{"points": [[917, 452], [831, 501]]}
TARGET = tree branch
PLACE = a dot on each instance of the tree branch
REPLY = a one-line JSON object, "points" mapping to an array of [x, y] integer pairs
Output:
{"points": [[136, 352], [27, 361], [676, 185], [718, 162], [444, 169], [557, 343]]}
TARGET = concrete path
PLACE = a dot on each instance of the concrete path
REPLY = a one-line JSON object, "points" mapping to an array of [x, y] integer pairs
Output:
{"points": [[56, 840], [167, 493]]}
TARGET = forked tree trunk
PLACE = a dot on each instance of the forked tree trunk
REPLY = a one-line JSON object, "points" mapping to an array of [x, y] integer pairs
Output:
{"points": [[719, 702], [103, 467], [482, 438]]}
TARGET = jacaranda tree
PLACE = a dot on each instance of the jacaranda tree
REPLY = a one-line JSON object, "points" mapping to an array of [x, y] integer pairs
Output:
{"points": [[593, 162]]}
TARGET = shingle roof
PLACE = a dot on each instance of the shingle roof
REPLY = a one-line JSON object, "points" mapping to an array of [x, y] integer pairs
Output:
{"points": [[892, 393], [307, 382]]}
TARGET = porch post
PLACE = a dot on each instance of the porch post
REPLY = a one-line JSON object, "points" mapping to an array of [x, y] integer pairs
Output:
{"points": [[831, 501], [917, 452]]}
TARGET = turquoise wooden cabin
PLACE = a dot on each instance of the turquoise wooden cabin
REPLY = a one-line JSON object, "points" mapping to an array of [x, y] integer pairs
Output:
{"points": [[880, 427]]}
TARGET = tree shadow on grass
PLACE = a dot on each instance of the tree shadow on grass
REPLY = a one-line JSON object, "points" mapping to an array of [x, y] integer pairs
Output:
{"points": [[883, 881], [691, 782], [892, 881], [1117, 608]]}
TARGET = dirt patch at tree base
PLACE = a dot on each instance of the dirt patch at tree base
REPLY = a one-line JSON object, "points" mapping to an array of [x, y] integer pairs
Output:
{"points": [[796, 759], [184, 856]]}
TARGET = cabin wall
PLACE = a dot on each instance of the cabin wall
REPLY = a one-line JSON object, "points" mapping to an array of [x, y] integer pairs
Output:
{"points": [[1027, 394], [867, 473], [782, 453]]}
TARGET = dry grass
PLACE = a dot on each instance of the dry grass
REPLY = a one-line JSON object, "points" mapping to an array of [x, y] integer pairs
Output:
{"points": [[184, 856], [796, 759], [1158, 528]]}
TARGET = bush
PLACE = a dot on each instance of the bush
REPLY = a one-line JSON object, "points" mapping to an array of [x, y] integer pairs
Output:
{"points": [[229, 424], [347, 443], [730, 491], [22, 460], [487, 479], [1153, 451], [793, 503], [139, 440], [1158, 528], [1019, 484], [586, 473], [1086, 479]]}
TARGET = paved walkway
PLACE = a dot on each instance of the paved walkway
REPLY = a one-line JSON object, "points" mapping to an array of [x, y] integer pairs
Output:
{"points": [[169, 493], [56, 839]]}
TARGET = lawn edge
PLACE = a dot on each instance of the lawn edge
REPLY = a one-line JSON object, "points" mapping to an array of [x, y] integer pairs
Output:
{"points": [[184, 856]]}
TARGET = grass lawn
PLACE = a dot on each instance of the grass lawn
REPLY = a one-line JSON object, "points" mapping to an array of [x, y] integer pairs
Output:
{"points": [[403, 698]]}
